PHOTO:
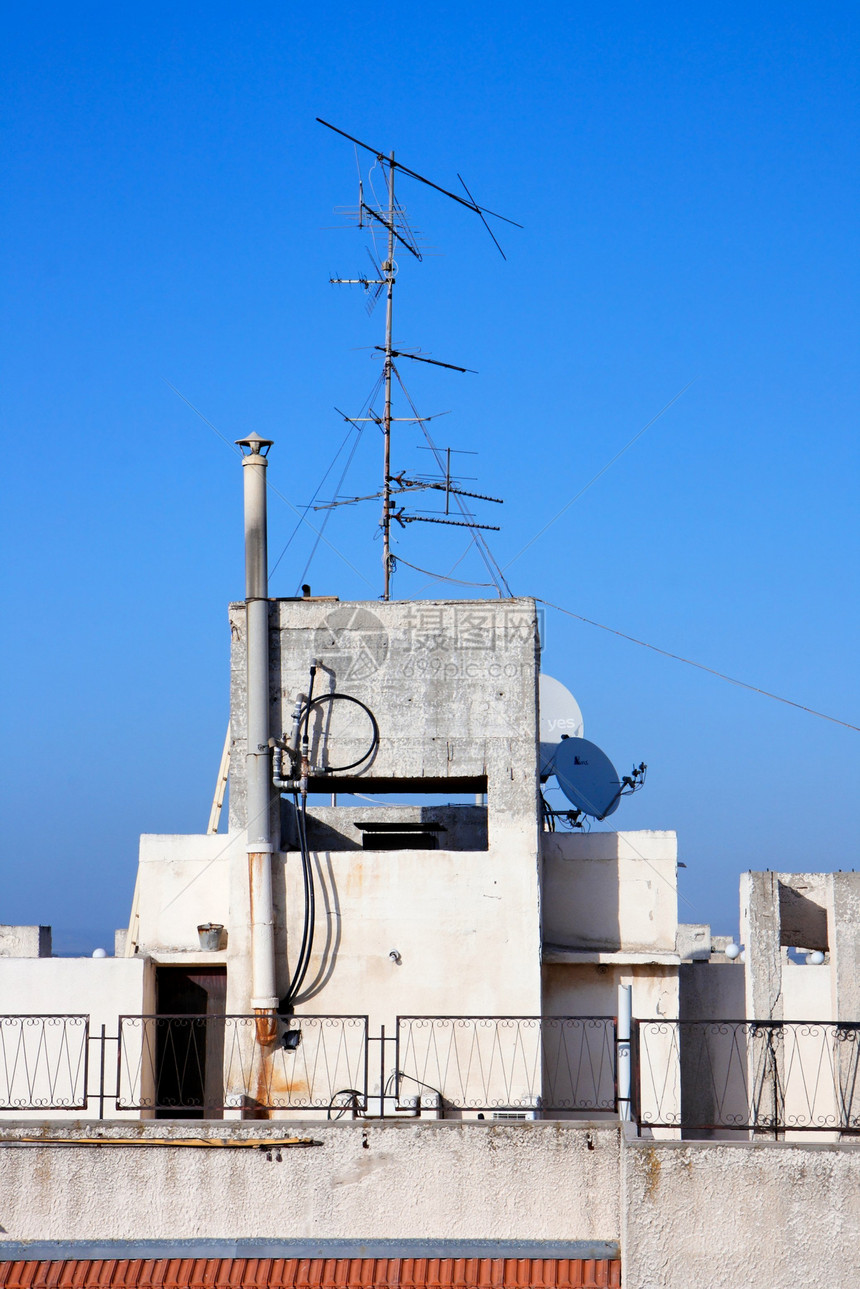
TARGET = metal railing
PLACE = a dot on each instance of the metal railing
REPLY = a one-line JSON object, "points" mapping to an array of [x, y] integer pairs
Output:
{"points": [[734, 1078], [202, 1065], [43, 1062], [555, 1063], [747, 1076]]}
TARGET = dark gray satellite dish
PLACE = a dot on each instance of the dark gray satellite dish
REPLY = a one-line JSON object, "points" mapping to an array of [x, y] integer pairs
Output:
{"points": [[587, 777], [560, 718]]}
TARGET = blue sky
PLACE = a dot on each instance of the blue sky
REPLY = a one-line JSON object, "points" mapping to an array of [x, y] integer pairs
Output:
{"points": [[687, 181]]}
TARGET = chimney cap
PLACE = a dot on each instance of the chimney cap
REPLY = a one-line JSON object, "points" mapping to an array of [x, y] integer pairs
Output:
{"points": [[255, 445]]}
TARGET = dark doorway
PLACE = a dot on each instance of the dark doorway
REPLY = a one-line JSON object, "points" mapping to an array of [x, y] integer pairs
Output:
{"points": [[189, 1042]]}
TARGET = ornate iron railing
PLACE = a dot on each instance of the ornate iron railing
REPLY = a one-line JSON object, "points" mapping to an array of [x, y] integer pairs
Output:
{"points": [[43, 1062], [555, 1063], [748, 1076], [199, 1066]]}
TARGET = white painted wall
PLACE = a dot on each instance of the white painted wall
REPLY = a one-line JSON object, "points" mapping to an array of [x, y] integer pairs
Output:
{"points": [[183, 881], [605, 890], [101, 987]]}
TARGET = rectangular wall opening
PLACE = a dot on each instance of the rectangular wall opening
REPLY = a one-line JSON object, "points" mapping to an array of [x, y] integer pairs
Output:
{"points": [[189, 1041]]}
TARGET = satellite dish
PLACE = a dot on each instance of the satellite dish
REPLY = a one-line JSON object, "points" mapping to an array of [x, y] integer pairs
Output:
{"points": [[560, 718], [587, 777]]}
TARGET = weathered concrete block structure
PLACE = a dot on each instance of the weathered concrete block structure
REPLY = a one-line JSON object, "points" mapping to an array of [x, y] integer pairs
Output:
{"points": [[401, 1020]]}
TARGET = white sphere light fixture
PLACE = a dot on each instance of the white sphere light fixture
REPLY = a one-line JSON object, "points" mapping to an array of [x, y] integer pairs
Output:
{"points": [[733, 951], [815, 959], [99, 953]]}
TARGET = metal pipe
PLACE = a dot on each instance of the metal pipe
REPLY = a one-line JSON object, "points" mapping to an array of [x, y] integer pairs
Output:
{"points": [[261, 843], [623, 1054]]}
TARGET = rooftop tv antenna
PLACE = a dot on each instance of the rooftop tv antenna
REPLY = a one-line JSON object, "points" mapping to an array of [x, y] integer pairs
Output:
{"points": [[391, 218]]}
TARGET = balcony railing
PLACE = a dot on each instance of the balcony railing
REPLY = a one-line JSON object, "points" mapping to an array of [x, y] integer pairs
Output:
{"points": [[749, 1076], [43, 1062], [198, 1066], [555, 1063], [733, 1078]]}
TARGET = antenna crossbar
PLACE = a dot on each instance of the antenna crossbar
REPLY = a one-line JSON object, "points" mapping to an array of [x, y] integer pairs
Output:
{"points": [[368, 210], [452, 523], [413, 174], [417, 358]]}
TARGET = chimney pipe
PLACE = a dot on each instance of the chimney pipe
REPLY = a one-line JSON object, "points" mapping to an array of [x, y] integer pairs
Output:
{"points": [[264, 997]]}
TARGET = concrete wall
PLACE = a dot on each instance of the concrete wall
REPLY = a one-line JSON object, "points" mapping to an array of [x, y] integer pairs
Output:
{"points": [[727, 1216], [49, 1058], [184, 881], [366, 1180], [453, 686], [25, 941], [712, 991], [589, 989], [688, 1214], [465, 930], [606, 890], [808, 911]]}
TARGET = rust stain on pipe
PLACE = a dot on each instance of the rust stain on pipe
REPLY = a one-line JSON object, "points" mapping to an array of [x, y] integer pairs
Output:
{"points": [[266, 1026]]}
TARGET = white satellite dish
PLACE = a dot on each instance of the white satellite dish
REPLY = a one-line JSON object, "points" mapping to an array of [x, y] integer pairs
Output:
{"points": [[560, 718], [587, 777]]}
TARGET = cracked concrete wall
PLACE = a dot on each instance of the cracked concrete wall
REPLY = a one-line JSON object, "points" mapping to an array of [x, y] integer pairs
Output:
{"points": [[760, 934], [844, 929], [807, 911]]}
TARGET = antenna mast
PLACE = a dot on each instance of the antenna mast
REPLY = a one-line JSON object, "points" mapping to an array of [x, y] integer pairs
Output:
{"points": [[388, 270], [398, 231]]}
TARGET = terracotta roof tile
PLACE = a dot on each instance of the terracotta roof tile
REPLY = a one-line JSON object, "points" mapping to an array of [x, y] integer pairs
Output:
{"points": [[314, 1273]]}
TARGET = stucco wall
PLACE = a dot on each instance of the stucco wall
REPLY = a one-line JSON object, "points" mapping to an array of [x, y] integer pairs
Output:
{"points": [[728, 1216], [183, 881], [366, 1180], [592, 990], [694, 1214], [711, 991], [607, 890], [453, 686]]}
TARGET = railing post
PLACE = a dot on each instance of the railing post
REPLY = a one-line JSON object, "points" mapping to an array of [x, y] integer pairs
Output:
{"points": [[622, 1050], [382, 1071], [102, 1045]]}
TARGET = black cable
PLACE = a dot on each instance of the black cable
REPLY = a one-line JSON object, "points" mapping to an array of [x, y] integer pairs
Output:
{"points": [[307, 945], [311, 901], [307, 712], [287, 1003], [346, 698], [354, 1102], [285, 1006]]}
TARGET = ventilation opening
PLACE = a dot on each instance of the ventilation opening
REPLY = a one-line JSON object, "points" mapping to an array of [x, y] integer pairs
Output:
{"points": [[400, 835]]}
